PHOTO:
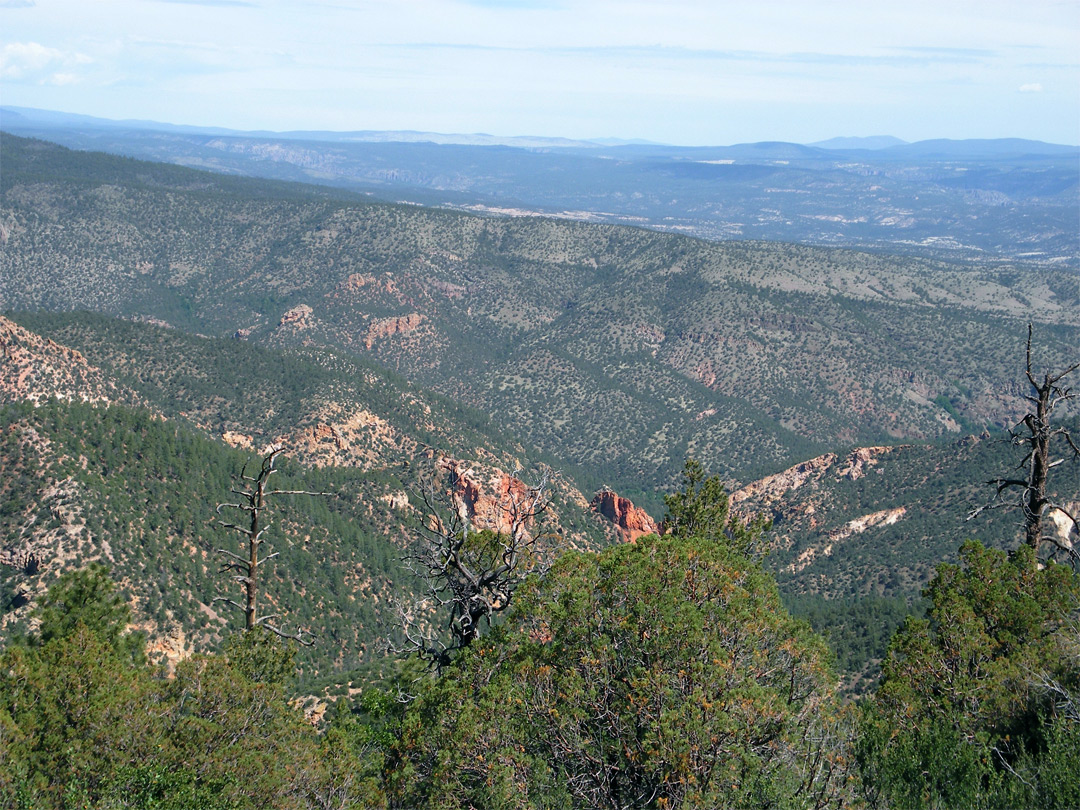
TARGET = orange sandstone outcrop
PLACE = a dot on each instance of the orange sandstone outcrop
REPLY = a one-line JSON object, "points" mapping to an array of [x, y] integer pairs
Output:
{"points": [[168, 648], [358, 281], [391, 326], [346, 439], [631, 522], [324, 434], [492, 504]]}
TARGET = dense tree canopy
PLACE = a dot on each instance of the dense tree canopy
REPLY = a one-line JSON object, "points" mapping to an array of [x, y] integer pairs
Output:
{"points": [[84, 723], [658, 674], [978, 702]]}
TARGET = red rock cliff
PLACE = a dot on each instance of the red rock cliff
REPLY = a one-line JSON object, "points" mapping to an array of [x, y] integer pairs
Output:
{"points": [[631, 522], [490, 506]]}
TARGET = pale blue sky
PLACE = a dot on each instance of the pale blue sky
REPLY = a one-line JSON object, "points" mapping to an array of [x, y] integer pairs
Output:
{"points": [[679, 71]]}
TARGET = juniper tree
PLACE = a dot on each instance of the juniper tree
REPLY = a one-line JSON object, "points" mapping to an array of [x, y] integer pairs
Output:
{"points": [[659, 674]]}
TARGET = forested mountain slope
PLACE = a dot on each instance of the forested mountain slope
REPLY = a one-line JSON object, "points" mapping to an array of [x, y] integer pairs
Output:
{"points": [[616, 349], [855, 535], [135, 485], [119, 486]]}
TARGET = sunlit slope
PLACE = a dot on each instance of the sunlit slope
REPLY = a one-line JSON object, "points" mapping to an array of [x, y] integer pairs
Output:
{"points": [[614, 348]]}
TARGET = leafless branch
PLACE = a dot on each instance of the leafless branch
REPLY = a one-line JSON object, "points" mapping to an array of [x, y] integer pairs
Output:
{"points": [[303, 637], [472, 551], [1035, 432], [253, 501]]}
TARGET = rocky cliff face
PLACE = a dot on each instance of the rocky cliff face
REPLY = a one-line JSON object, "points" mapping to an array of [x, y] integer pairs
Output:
{"points": [[775, 490], [35, 368], [631, 522], [772, 488], [391, 326], [299, 317], [490, 498], [1065, 531]]}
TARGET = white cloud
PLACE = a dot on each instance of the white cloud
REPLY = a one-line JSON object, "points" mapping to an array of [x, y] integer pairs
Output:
{"points": [[693, 71], [61, 79], [20, 58], [29, 60]]}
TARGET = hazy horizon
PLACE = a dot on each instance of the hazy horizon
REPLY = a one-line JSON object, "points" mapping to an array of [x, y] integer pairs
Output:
{"points": [[496, 138], [685, 73]]}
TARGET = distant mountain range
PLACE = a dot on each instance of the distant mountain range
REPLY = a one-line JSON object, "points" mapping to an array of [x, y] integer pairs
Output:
{"points": [[982, 200], [13, 119], [870, 142]]}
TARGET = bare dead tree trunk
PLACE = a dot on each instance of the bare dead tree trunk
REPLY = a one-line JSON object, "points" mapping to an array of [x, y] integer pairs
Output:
{"points": [[253, 499], [1037, 433], [471, 564]]}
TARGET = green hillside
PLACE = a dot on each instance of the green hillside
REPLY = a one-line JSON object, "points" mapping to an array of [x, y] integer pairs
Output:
{"points": [[125, 488], [934, 487], [657, 664], [122, 485], [608, 353], [614, 349], [855, 585], [221, 385]]}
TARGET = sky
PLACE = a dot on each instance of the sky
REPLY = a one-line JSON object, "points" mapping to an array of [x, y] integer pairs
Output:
{"points": [[693, 72]]}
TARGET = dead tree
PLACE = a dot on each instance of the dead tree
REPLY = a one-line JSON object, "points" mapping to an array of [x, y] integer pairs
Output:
{"points": [[471, 562], [253, 493], [1037, 435]]}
